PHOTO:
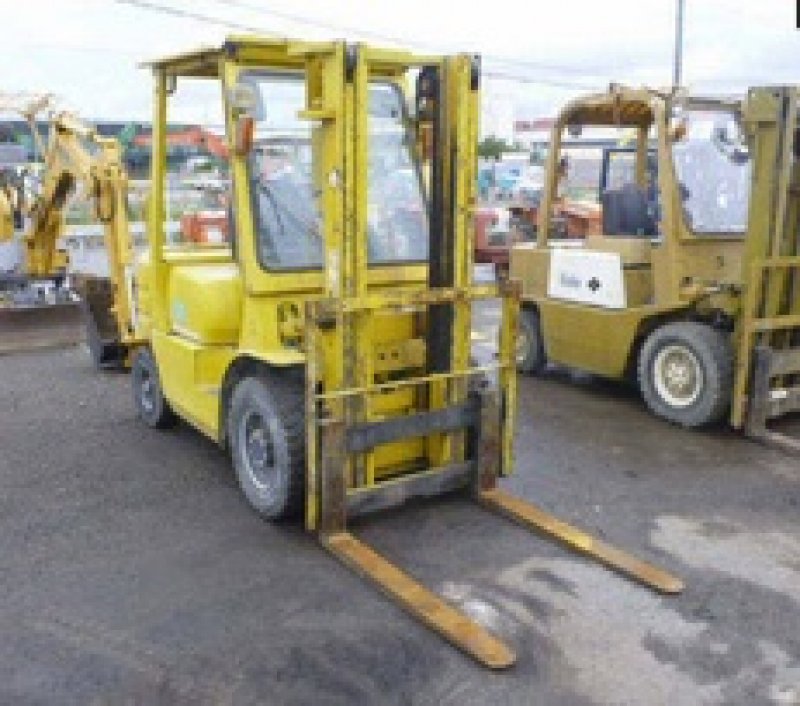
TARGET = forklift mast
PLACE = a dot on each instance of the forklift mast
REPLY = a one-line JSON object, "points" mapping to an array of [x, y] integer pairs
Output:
{"points": [[767, 383], [452, 399]]}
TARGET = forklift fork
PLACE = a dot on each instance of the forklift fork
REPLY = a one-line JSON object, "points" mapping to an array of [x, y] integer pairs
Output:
{"points": [[448, 426], [479, 475], [420, 602]]}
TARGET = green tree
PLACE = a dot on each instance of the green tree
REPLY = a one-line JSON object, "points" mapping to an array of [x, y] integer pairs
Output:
{"points": [[492, 147]]}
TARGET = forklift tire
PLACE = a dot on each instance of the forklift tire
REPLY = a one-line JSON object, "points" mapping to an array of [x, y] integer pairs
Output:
{"points": [[530, 347], [686, 373], [148, 396], [267, 436]]}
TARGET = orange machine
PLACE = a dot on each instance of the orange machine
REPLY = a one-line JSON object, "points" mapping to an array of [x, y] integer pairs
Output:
{"points": [[209, 227], [190, 137]]}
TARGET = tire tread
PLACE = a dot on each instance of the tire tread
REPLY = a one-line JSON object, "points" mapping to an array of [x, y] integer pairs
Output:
{"points": [[287, 398], [711, 346]]}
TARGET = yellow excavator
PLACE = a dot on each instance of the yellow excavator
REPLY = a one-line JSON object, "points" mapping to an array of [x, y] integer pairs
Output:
{"points": [[74, 155]]}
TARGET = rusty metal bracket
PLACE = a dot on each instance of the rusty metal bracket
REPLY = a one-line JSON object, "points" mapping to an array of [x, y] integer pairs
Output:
{"points": [[368, 435], [421, 484]]}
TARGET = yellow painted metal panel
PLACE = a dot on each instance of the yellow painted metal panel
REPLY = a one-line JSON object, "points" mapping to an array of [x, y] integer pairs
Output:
{"points": [[205, 302], [606, 336], [191, 375]]}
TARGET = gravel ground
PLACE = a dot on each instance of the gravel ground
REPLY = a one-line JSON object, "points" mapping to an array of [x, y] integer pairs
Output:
{"points": [[132, 571]]}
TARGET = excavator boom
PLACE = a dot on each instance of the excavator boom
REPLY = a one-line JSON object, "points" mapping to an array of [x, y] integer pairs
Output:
{"points": [[75, 155]]}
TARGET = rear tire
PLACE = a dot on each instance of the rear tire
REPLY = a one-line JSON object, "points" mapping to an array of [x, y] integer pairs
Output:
{"points": [[266, 432], [151, 406], [530, 347], [686, 373]]}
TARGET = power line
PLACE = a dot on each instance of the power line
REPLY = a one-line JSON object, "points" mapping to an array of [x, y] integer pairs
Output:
{"points": [[299, 19], [394, 39], [503, 76], [405, 41], [258, 29], [196, 16]]}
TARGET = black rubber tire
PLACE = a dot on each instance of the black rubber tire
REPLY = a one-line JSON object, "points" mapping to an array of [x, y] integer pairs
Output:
{"points": [[151, 406], [712, 350], [531, 359], [277, 406]]}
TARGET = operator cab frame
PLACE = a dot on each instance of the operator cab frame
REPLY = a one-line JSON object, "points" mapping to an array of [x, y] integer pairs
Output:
{"points": [[663, 219]]}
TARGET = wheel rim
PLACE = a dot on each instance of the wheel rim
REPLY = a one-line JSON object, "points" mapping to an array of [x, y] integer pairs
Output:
{"points": [[255, 439], [147, 392], [678, 375]]}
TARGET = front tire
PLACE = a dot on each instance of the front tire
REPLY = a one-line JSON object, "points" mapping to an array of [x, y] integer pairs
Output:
{"points": [[266, 431], [151, 406], [530, 346], [686, 373]]}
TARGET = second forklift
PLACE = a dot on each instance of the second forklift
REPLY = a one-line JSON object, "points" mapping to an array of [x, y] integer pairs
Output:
{"points": [[693, 289]]}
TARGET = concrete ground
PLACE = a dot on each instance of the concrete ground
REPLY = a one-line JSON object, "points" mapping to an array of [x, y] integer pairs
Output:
{"points": [[131, 570]]}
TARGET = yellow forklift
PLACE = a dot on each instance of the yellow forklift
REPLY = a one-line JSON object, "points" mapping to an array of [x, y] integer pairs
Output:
{"points": [[693, 288], [327, 346]]}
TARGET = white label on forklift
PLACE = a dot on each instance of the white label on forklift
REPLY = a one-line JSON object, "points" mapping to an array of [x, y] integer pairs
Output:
{"points": [[587, 277]]}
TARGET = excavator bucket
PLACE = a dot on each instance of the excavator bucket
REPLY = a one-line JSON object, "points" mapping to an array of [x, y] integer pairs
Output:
{"points": [[24, 328], [102, 333]]}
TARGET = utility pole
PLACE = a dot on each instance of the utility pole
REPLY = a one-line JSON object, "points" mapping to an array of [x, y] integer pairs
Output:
{"points": [[677, 74]]}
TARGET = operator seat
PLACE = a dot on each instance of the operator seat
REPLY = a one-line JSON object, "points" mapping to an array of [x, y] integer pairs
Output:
{"points": [[626, 212]]}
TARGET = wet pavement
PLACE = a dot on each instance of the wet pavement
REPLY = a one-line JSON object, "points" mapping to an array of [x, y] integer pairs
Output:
{"points": [[132, 571]]}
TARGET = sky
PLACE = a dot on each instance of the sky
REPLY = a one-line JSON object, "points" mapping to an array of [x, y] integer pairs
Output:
{"points": [[537, 54]]}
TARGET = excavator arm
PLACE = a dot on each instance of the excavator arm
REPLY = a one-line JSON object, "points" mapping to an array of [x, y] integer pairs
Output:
{"points": [[75, 154]]}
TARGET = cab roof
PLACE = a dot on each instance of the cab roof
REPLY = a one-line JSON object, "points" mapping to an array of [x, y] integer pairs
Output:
{"points": [[617, 106], [634, 107], [205, 62]]}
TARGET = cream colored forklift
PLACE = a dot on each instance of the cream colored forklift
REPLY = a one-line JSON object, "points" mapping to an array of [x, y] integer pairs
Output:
{"points": [[693, 289]]}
